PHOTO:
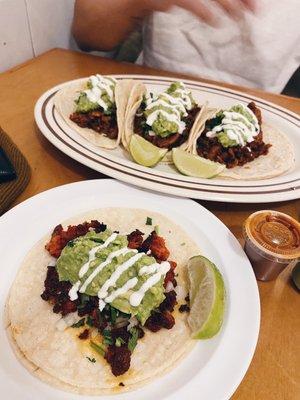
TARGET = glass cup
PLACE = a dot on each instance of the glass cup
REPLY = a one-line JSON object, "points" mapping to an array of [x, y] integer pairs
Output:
{"points": [[272, 242]]}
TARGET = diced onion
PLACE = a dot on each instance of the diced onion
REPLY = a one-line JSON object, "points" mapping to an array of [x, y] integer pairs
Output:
{"points": [[132, 322], [71, 319], [181, 293], [52, 262], [61, 325], [67, 321], [169, 287]]}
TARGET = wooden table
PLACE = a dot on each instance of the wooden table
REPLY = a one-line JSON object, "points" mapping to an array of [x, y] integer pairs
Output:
{"points": [[273, 374]]}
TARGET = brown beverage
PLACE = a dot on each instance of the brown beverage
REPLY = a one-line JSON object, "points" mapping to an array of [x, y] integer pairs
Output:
{"points": [[272, 241]]}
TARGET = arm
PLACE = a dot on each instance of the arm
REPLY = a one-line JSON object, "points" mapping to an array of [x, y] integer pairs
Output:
{"points": [[104, 24]]}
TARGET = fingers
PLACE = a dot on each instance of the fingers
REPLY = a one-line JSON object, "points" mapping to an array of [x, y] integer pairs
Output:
{"points": [[199, 9], [194, 6], [233, 8], [250, 5]]}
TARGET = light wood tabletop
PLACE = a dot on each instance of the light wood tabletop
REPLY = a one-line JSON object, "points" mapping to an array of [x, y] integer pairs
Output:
{"points": [[274, 371]]}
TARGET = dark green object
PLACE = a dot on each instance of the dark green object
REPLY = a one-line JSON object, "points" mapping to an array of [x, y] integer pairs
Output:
{"points": [[113, 314], [10, 190], [99, 349], [7, 171], [92, 360], [131, 48], [133, 339], [107, 339], [78, 324]]}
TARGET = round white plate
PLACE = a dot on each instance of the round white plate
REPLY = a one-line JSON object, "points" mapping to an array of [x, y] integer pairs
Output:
{"points": [[163, 178], [215, 367]]}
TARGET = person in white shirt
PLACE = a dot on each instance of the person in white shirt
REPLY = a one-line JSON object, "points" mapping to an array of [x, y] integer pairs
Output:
{"points": [[244, 42]]}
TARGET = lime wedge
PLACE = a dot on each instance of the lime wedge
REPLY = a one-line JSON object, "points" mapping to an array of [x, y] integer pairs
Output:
{"points": [[207, 297], [192, 165], [144, 152]]}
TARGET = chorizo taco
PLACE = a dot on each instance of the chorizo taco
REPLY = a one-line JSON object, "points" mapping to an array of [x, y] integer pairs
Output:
{"points": [[95, 108], [95, 307], [165, 119], [238, 138]]}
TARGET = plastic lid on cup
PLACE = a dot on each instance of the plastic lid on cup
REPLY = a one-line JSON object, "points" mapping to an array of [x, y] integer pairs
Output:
{"points": [[275, 235]]}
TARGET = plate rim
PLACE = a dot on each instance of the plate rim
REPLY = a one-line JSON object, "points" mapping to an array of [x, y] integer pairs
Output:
{"points": [[202, 190], [253, 302]]}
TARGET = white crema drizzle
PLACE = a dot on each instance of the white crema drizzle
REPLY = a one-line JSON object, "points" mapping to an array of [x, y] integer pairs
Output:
{"points": [[137, 297], [238, 127], [101, 85], [156, 271], [92, 254], [178, 106]]}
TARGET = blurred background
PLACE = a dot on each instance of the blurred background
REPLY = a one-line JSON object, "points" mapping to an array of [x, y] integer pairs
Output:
{"points": [[31, 27]]}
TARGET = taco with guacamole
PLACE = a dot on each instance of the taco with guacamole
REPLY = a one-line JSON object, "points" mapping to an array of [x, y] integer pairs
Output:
{"points": [[237, 138], [165, 119], [95, 108], [100, 305]]}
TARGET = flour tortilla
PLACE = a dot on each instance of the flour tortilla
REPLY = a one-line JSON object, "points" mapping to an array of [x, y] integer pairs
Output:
{"points": [[59, 358], [134, 101], [64, 103], [280, 157]]}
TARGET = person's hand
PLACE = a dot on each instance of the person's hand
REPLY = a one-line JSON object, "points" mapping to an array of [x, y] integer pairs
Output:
{"points": [[103, 25], [200, 8]]}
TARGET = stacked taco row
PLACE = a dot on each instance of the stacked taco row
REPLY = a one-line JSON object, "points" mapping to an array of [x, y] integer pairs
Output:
{"points": [[108, 112]]}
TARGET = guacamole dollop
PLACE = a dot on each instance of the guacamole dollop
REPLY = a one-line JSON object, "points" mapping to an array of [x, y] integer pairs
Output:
{"points": [[165, 112], [76, 254], [99, 94], [235, 127]]}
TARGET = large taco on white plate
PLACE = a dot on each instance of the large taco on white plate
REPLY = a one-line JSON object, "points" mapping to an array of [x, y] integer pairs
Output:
{"points": [[165, 119], [238, 138], [99, 306], [95, 108]]}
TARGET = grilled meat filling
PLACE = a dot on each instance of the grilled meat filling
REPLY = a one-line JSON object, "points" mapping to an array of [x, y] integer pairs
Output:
{"points": [[213, 150], [117, 353], [171, 141], [98, 121]]}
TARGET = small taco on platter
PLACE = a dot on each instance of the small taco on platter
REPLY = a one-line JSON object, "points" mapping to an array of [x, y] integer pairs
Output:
{"points": [[95, 108], [238, 138], [166, 119]]}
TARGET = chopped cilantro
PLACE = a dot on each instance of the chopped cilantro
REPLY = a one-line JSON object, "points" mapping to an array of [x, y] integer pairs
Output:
{"points": [[119, 342], [107, 339], [156, 228], [92, 360], [79, 323], [124, 315], [98, 348], [70, 243], [97, 240], [149, 221], [90, 321], [84, 299], [133, 339], [114, 313]]}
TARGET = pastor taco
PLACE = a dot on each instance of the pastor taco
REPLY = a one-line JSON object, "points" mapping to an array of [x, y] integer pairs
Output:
{"points": [[165, 119], [238, 138], [95, 308], [95, 108]]}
